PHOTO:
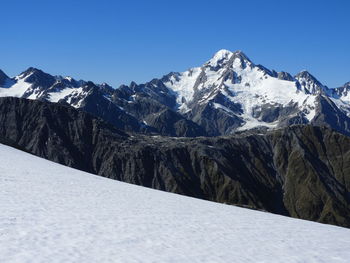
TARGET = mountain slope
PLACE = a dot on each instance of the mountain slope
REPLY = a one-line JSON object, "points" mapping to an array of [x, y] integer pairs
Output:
{"points": [[230, 93], [301, 171], [227, 94], [84, 218], [95, 99]]}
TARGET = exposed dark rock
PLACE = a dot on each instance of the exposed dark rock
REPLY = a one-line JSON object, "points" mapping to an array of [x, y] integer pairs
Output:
{"points": [[58, 133], [226, 94], [98, 105], [273, 112], [38, 78], [299, 171], [328, 114], [168, 122], [215, 121], [311, 84], [285, 76]]}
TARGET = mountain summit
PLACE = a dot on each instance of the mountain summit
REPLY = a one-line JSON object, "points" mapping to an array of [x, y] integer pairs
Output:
{"points": [[310, 84], [228, 93], [223, 56]]}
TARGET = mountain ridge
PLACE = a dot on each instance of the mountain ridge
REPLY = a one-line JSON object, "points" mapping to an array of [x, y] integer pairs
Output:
{"points": [[228, 93], [300, 171]]}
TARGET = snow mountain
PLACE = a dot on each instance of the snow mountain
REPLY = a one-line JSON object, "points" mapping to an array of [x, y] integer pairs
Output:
{"points": [[228, 93]]}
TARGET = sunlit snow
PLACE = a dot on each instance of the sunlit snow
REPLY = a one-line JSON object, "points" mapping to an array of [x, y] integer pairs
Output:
{"points": [[254, 89], [52, 213], [15, 90]]}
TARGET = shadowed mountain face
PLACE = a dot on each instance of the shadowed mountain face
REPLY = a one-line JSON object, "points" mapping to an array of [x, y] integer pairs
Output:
{"points": [[227, 94], [299, 171], [3, 78]]}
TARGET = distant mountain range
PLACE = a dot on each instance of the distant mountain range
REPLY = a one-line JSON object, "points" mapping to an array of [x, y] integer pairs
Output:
{"points": [[227, 94], [285, 144]]}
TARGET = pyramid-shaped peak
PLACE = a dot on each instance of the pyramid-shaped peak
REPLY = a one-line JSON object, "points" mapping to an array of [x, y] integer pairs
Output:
{"points": [[309, 83], [34, 75], [305, 74], [221, 55], [31, 70], [224, 55]]}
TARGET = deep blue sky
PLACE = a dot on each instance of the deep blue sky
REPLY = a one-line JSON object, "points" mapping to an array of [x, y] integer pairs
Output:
{"points": [[120, 41]]}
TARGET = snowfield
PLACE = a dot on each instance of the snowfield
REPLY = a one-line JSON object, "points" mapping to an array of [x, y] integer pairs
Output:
{"points": [[52, 213], [254, 89]]}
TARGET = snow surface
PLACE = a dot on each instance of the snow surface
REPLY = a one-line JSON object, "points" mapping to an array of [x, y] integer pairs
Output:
{"points": [[18, 87], [52, 213], [183, 86], [61, 94], [252, 87], [255, 88], [16, 90], [222, 54]]}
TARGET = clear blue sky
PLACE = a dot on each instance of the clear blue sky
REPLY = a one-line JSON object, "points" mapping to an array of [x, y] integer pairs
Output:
{"points": [[120, 41]]}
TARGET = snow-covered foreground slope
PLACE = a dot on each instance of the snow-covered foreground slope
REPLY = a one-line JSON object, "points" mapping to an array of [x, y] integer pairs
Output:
{"points": [[52, 213]]}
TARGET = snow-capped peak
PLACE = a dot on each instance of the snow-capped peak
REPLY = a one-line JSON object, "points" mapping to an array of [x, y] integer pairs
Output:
{"points": [[305, 74], [223, 56], [309, 84], [29, 71], [246, 93], [231, 81], [219, 56]]}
